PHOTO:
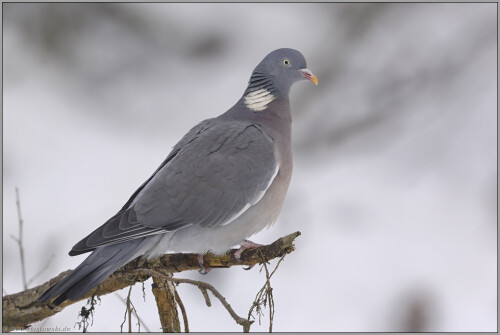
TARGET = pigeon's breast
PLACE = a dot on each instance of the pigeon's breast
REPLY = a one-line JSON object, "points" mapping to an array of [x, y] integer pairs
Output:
{"points": [[220, 239]]}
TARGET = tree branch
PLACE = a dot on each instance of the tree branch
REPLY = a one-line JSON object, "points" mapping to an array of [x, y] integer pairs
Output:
{"points": [[21, 309]]}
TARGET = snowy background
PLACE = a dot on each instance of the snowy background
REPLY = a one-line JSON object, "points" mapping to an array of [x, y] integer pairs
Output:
{"points": [[395, 180]]}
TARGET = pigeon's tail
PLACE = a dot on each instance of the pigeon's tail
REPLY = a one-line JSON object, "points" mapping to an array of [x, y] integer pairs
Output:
{"points": [[102, 262]]}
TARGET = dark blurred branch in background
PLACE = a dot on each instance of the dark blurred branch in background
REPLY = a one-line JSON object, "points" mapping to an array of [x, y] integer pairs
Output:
{"points": [[19, 240], [21, 309]]}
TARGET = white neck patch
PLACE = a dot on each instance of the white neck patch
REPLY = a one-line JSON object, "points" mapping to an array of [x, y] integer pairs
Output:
{"points": [[258, 100]]}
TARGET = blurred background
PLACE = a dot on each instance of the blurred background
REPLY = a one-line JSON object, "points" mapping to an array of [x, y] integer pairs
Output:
{"points": [[395, 178]]}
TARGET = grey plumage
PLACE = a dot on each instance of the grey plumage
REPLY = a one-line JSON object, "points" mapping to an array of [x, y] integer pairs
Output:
{"points": [[225, 180], [94, 269]]}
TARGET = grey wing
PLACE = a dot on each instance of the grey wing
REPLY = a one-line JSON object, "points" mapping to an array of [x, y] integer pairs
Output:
{"points": [[123, 225], [191, 135], [213, 177]]}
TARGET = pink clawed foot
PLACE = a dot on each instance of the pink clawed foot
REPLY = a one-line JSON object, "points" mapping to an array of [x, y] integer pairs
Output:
{"points": [[204, 270], [246, 244]]}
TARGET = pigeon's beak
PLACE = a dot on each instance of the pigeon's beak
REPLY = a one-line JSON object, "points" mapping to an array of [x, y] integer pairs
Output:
{"points": [[309, 76]]}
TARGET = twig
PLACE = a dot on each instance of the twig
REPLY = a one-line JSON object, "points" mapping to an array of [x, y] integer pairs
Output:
{"points": [[205, 296], [128, 312], [265, 295], [269, 295], [124, 314], [19, 242], [136, 315], [140, 323], [183, 311], [84, 313], [20, 239], [239, 320]]}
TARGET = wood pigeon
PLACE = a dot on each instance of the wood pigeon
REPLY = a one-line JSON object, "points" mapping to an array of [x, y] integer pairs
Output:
{"points": [[224, 181]]}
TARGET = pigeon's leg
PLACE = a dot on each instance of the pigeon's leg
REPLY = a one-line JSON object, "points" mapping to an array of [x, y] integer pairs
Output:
{"points": [[246, 244], [204, 270]]}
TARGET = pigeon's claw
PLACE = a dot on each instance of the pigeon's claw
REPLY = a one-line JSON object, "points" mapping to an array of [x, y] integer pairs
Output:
{"points": [[246, 244], [204, 270]]}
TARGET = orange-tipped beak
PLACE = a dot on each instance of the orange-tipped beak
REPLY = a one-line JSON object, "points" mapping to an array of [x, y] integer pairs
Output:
{"points": [[309, 76]]}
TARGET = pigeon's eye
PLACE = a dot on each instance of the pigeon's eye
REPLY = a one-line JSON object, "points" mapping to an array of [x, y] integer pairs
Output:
{"points": [[286, 62]]}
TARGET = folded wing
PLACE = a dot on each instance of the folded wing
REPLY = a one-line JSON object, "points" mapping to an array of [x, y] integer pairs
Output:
{"points": [[212, 176]]}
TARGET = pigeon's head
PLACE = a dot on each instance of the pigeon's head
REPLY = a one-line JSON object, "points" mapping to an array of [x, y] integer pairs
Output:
{"points": [[284, 67], [274, 76]]}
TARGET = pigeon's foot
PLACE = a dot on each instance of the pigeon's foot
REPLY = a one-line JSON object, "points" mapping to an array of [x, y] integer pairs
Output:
{"points": [[246, 244], [204, 270]]}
